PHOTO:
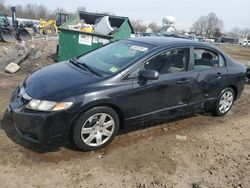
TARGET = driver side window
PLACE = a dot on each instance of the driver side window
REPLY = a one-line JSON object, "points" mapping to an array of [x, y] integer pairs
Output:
{"points": [[171, 61]]}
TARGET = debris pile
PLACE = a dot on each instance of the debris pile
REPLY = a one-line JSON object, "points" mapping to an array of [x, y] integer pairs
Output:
{"points": [[26, 56], [82, 26], [102, 26], [14, 66], [14, 56]]}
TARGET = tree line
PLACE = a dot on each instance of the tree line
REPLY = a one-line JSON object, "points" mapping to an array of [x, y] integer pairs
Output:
{"points": [[35, 11], [211, 26]]}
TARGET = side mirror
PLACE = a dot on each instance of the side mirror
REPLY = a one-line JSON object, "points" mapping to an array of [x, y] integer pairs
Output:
{"points": [[149, 74]]}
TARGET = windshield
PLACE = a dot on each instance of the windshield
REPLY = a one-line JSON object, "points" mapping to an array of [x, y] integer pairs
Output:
{"points": [[115, 56]]}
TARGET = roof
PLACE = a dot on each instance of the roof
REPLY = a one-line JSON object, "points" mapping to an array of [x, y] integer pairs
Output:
{"points": [[164, 41], [158, 41]]}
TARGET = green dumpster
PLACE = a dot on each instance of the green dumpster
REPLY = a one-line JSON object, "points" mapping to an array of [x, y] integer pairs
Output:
{"points": [[73, 43]]}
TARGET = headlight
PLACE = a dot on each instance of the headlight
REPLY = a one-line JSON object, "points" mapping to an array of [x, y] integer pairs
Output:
{"points": [[42, 105]]}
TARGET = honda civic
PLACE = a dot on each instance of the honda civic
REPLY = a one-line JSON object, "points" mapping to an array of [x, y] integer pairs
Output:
{"points": [[125, 83]]}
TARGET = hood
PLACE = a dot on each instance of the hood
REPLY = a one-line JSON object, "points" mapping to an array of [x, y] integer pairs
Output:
{"points": [[58, 82]]}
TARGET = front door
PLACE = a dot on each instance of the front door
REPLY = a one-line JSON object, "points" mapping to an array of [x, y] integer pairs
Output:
{"points": [[171, 91]]}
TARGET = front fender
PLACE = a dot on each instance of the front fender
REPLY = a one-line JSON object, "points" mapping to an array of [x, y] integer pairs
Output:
{"points": [[100, 102]]}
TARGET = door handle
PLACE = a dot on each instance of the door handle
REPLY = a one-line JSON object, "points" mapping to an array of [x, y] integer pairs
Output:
{"points": [[184, 81], [218, 75]]}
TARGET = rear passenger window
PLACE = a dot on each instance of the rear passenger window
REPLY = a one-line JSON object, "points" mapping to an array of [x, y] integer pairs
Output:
{"points": [[222, 62], [206, 59], [171, 61]]}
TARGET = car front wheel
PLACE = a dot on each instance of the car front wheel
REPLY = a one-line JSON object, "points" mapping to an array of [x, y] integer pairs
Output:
{"points": [[224, 102], [96, 128]]}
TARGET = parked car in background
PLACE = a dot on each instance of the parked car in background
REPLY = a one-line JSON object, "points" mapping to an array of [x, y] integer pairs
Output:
{"points": [[226, 40], [200, 39], [90, 98], [243, 42]]}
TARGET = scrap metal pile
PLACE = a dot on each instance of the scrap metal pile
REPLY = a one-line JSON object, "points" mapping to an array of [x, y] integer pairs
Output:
{"points": [[14, 32], [102, 26]]}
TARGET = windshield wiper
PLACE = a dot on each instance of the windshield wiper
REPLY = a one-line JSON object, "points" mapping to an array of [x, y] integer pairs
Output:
{"points": [[84, 66], [91, 69], [77, 63]]}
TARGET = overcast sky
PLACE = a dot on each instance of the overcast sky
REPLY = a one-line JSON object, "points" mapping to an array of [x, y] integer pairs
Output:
{"points": [[232, 12]]}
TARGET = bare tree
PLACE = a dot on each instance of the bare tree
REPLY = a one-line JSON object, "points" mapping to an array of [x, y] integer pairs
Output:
{"points": [[217, 33], [213, 24], [2, 5], [155, 27], [81, 8], [60, 9], [138, 26], [199, 26], [234, 32], [246, 32], [20, 12], [208, 25], [52, 15], [42, 11], [31, 11]]}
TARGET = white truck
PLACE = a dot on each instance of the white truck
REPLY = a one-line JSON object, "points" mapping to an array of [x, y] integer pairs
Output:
{"points": [[244, 42]]}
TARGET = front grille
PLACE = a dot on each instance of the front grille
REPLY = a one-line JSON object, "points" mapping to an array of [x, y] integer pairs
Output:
{"points": [[25, 101]]}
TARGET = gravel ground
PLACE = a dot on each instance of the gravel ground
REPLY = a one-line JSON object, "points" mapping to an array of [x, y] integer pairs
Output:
{"points": [[214, 151]]}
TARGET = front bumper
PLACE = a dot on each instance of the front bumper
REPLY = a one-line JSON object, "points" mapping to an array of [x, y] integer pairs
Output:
{"points": [[35, 126]]}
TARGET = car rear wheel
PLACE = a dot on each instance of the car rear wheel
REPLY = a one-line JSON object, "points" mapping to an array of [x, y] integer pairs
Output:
{"points": [[224, 102], [96, 128]]}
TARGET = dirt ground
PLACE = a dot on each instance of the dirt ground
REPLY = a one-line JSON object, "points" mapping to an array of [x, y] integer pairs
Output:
{"points": [[215, 153]]}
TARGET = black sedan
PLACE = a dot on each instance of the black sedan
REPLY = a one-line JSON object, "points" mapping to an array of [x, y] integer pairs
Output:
{"points": [[90, 98]]}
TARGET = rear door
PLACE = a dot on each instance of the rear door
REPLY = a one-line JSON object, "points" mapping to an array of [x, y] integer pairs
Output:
{"points": [[210, 67]]}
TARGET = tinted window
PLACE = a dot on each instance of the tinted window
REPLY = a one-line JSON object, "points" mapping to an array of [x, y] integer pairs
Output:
{"points": [[206, 59], [171, 61], [135, 73], [222, 62]]}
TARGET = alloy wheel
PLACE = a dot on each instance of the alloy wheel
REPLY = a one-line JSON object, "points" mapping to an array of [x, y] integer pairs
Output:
{"points": [[98, 129], [226, 101]]}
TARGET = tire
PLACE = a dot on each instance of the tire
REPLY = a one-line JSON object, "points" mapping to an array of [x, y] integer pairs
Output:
{"points": [[224, 102], [90, 132], [49, 30]]}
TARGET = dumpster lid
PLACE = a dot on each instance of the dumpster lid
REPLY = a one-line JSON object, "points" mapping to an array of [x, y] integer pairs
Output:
{"points": [[89, 15], [111, 16]]}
